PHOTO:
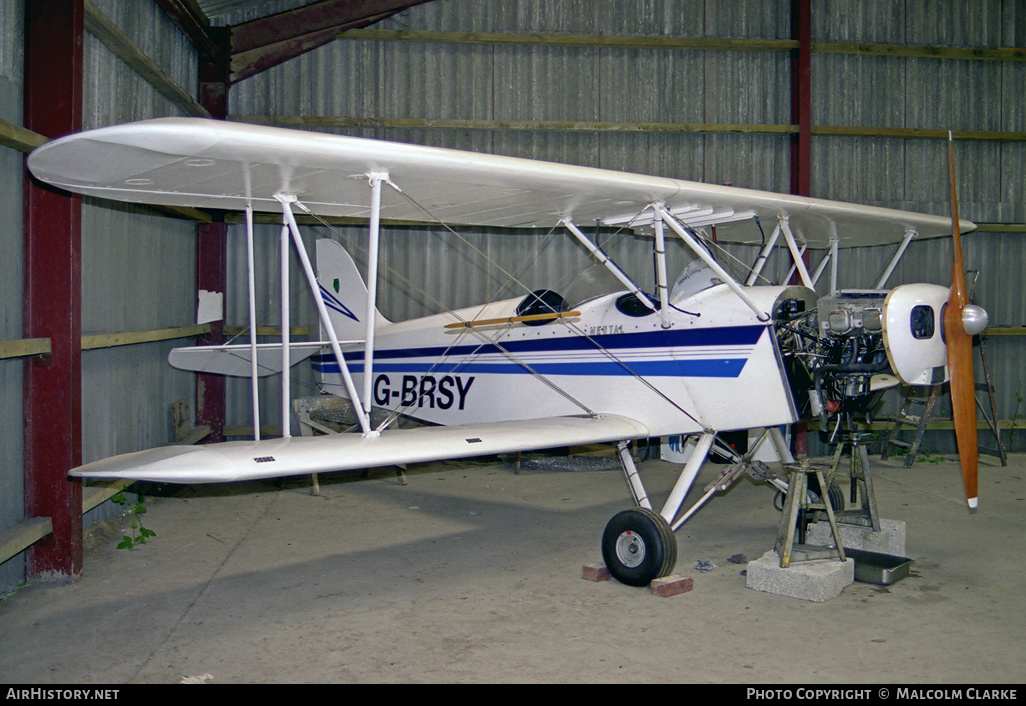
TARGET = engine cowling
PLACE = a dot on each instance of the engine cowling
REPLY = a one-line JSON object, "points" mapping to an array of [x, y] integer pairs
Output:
{"points": [[913, 333]]}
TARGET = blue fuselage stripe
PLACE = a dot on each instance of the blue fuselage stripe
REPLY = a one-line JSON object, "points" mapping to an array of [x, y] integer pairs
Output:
{"points": [[731, 344]]}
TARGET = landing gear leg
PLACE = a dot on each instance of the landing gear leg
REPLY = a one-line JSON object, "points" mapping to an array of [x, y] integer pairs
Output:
{"points": [[638, 545]]}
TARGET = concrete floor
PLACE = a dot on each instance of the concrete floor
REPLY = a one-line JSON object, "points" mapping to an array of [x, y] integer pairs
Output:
{"points": [[472, 573]]}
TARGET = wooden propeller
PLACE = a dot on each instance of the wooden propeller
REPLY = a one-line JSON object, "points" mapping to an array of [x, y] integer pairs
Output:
{"points": [[960, 354]]}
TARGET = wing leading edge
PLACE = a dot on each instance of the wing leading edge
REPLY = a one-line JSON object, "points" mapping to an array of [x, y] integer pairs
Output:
{"points": [[274, 458]]}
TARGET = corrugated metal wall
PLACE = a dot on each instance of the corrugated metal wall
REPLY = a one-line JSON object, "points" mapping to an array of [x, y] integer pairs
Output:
{"points": [[511, 82], [138, 270], [12, 496]]}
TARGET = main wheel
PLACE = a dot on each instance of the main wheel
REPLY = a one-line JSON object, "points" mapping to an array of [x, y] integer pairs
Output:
{"points": [[638, 546]]}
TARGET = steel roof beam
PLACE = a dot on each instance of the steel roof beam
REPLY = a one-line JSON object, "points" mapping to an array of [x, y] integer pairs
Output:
{"points": [[260, 44]]}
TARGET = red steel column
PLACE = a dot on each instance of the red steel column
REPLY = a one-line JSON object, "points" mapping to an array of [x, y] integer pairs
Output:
{"points": [[801, 98], [211, 240], [52, 293], [210, 277]]}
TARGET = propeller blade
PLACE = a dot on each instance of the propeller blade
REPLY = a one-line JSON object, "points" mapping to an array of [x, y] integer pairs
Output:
{"points": [[960, 354]]}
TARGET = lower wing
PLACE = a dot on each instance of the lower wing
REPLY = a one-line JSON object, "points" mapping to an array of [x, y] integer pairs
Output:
{"points": [[273, 458]]}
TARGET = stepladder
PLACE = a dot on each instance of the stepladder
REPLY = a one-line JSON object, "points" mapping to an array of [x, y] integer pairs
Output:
{"points": [[918, 408]]}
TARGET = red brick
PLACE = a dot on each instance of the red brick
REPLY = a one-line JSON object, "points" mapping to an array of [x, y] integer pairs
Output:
{"points": [[671, 585], [595, 572]]}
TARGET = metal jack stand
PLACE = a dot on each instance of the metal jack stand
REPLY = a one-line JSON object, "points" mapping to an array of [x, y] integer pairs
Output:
{"points": [[792, 520], [861, 479]]}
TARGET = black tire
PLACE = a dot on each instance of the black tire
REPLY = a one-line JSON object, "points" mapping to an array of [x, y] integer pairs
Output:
{"points": [[638, 546]]}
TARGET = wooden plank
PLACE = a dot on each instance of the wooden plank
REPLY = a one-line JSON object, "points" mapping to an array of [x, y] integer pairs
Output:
{"points": [[1000, 227], [327, 121], [266, 330], [918, 133], [1005, 331], [922, 52], [19, 138], [687, 43], [93, 495], [101, 27], [267, 431], [190, 19], [23, 535], [24, 347], [571, 40], [128, 338], [541, 125]]}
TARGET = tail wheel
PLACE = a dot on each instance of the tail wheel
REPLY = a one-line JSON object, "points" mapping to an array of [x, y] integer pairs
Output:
{"points": [[639, 546]]}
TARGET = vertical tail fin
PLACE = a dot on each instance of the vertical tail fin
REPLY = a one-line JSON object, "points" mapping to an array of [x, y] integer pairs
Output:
{"points": [[343, 289]]}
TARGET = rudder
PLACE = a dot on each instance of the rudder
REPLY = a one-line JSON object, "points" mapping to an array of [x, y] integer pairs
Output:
{"points": [[343, 289]]}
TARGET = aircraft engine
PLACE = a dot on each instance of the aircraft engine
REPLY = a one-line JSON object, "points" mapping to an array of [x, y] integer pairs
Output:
{"points": [[850, 367], [840, 348], [857, 343]]}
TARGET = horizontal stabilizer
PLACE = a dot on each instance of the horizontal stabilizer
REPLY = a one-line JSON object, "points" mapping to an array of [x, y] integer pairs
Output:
{"points": [[273, 458], [235, 359]]}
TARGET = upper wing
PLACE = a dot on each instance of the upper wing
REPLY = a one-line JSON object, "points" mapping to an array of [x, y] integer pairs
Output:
{"points": [[273, 458], [215, 164]]}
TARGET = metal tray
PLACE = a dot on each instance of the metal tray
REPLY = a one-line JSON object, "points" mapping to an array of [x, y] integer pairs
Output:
{"points": [[881, 569]]}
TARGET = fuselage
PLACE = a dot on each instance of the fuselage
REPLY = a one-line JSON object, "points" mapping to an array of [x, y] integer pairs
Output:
{"points": [[715, 365]]}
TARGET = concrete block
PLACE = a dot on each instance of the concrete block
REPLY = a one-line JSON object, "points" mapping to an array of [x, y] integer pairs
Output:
{"points": [[671, 585], [889, 540], [818, 580], [595, 572]]}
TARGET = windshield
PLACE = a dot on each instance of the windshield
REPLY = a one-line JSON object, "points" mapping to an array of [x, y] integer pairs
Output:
{"points": [[591, 283], [695, 277], [597, 281]]}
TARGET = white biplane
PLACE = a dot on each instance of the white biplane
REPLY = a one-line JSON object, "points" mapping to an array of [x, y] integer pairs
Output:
{"points": [[700, 356]]}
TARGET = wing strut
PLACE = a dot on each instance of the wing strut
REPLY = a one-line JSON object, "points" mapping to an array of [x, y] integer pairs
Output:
{"points": [[760, 261], [286, 327], [253, 363], [608, 263], [796, 254], [372, 288], [822, 266], [322, 311], [833, 261], [910, 233], [659, 247], [708, 259]]}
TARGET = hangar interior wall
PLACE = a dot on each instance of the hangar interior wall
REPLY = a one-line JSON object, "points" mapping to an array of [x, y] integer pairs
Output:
{"points": [[12, 504], [346, 85], [139, 267]]}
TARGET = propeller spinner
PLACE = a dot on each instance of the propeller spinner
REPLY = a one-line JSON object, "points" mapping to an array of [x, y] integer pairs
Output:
{"points": [[962, 321]]}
